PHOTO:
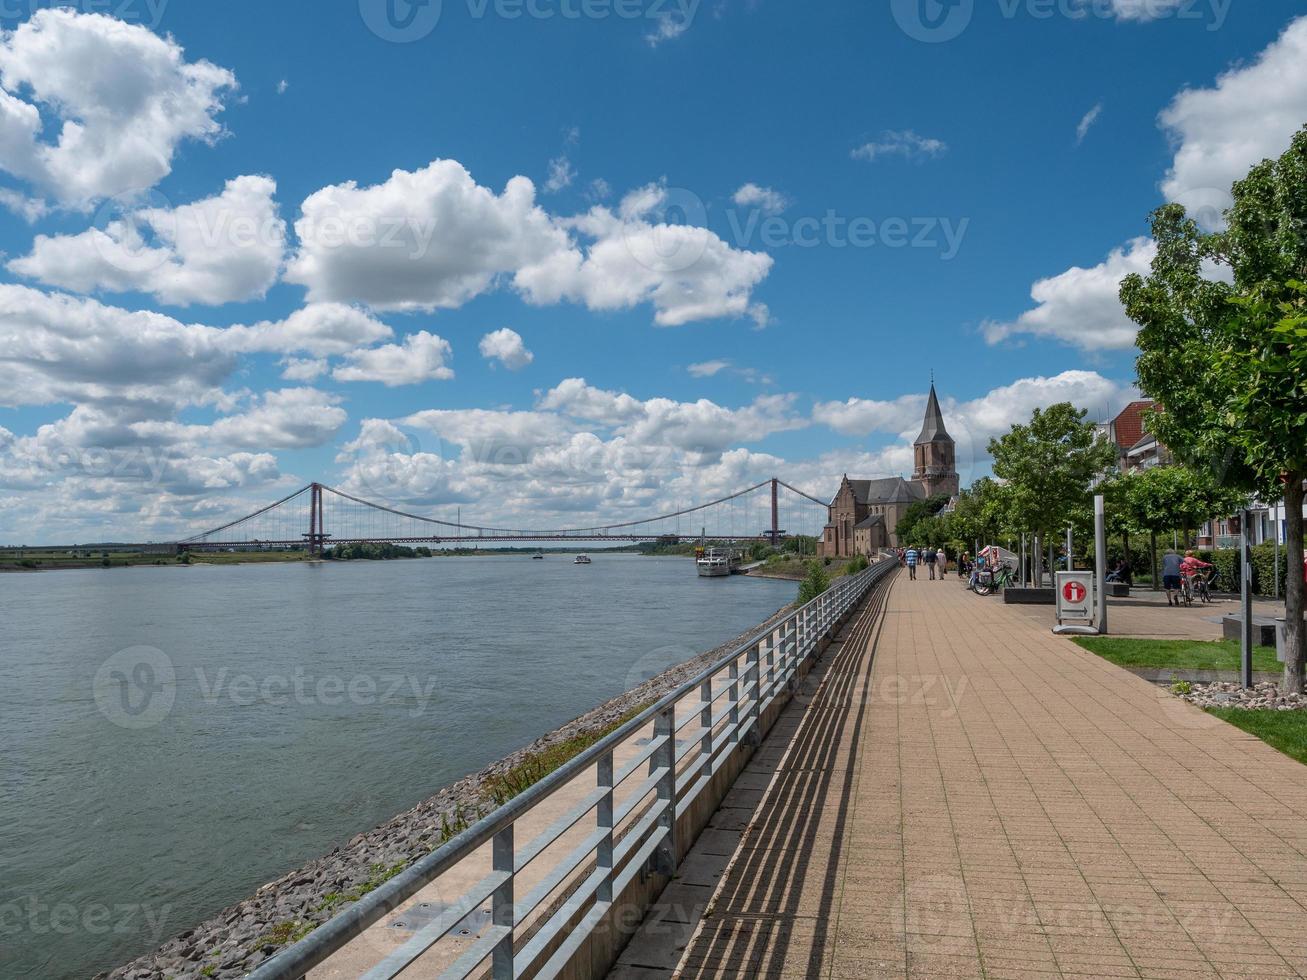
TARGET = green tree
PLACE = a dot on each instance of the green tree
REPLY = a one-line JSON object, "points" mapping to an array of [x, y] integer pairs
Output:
{"points": [[978, 515], [917, 514], [1178, 498], [816, 582], [1048, 467], [1226, 358]]}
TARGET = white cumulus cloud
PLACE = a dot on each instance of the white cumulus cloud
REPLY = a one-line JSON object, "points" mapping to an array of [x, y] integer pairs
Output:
{"points": [[1219, 133], [1082, 306], [423, 240], [421, 357], [219, 250], [764, 199], [506, 347], [636, 255], [319, 329], [436, 239], [120, 98]]}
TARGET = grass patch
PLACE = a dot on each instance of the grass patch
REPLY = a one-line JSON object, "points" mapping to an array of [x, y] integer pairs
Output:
{"points": [[1177, 654], [1282, 730], [537, 765], [378, 875], [285, 933]]}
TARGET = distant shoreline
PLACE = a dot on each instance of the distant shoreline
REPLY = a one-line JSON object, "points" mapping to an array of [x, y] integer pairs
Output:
{"points": [[139, 560]]}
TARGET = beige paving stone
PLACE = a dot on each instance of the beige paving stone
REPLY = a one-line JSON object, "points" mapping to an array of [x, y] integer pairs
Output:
{"points": [[964, 794]]}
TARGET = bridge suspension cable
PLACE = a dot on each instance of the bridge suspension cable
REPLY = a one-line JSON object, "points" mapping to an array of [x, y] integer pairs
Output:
{"points": [[284, 522]]}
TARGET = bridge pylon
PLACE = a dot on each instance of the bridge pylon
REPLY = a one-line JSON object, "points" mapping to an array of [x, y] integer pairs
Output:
{"points": [[315, 539], [775, 513]]}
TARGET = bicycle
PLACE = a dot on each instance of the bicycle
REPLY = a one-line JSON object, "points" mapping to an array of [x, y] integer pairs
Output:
{"points": [[991, 581], [1195, 587]]}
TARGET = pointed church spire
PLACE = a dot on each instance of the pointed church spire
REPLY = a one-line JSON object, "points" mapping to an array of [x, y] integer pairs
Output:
{"points": [[932, 430]]}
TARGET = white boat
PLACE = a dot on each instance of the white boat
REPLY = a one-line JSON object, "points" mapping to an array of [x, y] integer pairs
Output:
{"points": [[714, 564], [581, 560]]}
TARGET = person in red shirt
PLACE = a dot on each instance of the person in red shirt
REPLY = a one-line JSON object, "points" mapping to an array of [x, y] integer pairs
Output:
{"points": [[1194, 571], [1192, 565]]}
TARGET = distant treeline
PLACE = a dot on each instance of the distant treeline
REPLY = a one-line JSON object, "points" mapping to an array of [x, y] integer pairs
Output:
{"points": [[371, 551]]}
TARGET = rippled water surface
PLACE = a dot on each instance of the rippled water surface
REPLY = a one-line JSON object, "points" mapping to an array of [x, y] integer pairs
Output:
{"points": [[172, 738]]}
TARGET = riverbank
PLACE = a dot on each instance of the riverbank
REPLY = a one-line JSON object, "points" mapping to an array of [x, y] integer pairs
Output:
{"points": [[231, 943], [794, 569]]}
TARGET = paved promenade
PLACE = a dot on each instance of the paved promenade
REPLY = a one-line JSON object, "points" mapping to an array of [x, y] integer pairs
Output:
{"points": [[962, 794]]}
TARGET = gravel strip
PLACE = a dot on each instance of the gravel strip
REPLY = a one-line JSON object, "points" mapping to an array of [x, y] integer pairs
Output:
{"points": [[236, 940], [1265, 696]]}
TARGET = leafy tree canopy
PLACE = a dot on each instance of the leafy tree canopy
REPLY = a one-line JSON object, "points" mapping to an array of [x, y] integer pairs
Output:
{"points": [[1049, 466], [1222, 318]]}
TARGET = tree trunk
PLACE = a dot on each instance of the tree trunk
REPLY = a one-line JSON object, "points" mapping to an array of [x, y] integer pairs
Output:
{"points": [[1293, 593], [1152, 545]]}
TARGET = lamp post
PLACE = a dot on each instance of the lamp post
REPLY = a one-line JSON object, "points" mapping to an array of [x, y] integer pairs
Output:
{"points": [[1100, 560], [1246, 599]]}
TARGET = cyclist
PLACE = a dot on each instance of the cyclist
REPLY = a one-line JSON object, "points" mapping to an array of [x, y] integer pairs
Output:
{"points": [[1195, 571]]}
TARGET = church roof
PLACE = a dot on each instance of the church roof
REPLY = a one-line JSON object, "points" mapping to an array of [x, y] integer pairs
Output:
{"points": [[933, 429], [891, 490], [871, 521]]}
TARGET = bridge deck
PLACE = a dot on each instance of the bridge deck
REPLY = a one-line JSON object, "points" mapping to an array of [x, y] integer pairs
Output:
{"points": [[967, 795]]}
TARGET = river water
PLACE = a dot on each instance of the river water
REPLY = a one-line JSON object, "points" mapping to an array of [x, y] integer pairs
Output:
{"points": [[172, 738]]}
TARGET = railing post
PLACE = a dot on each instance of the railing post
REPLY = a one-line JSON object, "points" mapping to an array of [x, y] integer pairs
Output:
{"points": [[663, 860], [502, 913], [733, 699], [754, 662], [705, 720], [771, 663], [604, 820], [790, 657]]}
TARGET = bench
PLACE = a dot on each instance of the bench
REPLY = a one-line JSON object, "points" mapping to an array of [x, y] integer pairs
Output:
{"points": [[1029, 597], [1263, 630]]}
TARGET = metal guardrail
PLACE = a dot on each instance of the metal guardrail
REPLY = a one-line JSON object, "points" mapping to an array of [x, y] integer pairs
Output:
{"points": [[536, 933]]}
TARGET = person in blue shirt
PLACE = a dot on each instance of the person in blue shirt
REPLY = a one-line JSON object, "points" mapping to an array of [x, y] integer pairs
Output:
{"points": [[911, 559], [1171, 576]]}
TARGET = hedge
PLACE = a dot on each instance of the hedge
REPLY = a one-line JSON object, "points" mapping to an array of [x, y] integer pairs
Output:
{"points": [[1226, 561]]}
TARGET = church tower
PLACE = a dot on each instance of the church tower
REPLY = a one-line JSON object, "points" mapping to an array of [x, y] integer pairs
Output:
{"points": [[936, 453]]}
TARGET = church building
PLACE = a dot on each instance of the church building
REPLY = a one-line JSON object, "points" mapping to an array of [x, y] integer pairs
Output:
{"points": [[865, 513]]}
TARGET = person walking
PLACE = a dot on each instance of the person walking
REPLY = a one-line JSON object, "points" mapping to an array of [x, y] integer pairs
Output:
{"points": [[910, 558], [964, 565], [929, 559], [1171, 562], [942, 560]]}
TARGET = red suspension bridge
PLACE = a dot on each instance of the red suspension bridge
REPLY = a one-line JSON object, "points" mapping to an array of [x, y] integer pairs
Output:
{"points": [[317, 516]]}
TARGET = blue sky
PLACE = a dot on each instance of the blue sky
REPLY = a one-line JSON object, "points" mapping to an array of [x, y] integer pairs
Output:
{"points": [[866, 202]]}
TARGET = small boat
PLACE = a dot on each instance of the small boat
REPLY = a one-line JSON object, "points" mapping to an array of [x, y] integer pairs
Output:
{"points": [[538, 556], [582, 560]]}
